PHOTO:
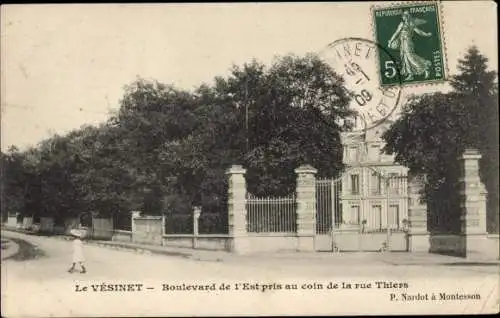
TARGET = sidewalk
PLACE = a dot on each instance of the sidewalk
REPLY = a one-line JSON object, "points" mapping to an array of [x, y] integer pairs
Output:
{"points": [[347, 258], [204, 255]]}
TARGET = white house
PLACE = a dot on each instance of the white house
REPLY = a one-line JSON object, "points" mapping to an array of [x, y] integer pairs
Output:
{"points": [[374, 189]]}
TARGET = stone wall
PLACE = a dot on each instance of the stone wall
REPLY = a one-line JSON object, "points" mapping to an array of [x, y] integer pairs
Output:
{"points": [[27, 222], [204, 242], [11, 221], [122, 236], [447, 244], [352, 241], [102, 228], [147, 229], [47, 224]]}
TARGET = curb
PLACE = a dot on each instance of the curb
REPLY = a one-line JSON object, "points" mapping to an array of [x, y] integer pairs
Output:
{"points": [[123, 247], [158, 250], [155, 251], [120, 247]]}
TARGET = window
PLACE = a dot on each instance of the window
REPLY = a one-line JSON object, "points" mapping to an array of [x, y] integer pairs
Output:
{"points": [[354, 219], [375, 183], [393, 216], [354, 184], [394, 181], [376, 217], [374, 153], [352, 154]]}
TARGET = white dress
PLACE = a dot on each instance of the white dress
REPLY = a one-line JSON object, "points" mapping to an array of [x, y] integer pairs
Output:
{"points": [[78, 251]]}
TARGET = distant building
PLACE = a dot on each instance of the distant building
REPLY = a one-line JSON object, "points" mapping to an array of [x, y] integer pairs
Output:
{"points": [[373, 189]]}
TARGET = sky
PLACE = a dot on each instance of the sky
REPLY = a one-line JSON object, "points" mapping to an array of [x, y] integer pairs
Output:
{"points": [[63, 66]]}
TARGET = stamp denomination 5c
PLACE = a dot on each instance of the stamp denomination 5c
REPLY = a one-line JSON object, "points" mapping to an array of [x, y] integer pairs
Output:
{"points": [[412, 34]]}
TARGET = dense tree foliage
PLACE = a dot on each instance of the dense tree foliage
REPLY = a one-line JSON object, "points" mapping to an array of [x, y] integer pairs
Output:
{"points": [[435, 129], [167, 149], [13, 181]]}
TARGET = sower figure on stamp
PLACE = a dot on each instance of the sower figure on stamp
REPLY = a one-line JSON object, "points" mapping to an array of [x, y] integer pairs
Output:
{"points": [[78, 257], [412, 64]]}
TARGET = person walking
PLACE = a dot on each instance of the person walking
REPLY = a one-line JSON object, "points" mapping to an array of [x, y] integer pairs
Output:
{"points": [[78, 257]]}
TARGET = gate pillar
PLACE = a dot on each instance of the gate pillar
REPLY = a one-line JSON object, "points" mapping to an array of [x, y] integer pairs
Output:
{"points": [[418, 235], [473, 207], [237, 222], [306, 208]]}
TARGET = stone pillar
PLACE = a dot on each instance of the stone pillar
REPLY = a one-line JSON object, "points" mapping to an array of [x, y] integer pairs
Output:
{"points": [[163, 228], [196, 218], [237, 213], [473, 205], [418, 234], [133, 216], [12, 220], [306, 207], [47, 224]]}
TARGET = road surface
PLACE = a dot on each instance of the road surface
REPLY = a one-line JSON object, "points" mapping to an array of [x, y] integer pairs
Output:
{"points": [[170, 285]]}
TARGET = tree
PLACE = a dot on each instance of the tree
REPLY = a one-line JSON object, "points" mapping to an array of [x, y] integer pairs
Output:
{"points": [[101, 177], [167, 149], [152, 120], [292, 109], [269, 119], [479, 88], [435, 129], [12, 182]]}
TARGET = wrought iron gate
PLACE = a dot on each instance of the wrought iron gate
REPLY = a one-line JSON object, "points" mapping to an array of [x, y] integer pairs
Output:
{"points": [[369, 216], [328, 211]]}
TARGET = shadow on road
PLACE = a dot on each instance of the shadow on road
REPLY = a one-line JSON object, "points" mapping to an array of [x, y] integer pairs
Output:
{"points": [[27, 251]]}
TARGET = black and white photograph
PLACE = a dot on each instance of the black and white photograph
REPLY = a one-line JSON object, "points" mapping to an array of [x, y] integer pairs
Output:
{"points": [[249, 159]]}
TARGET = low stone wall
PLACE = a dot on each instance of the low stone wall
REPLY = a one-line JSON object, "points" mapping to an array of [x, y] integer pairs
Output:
{"points": [[350, 241], [493, 245], [276, 242], [447, 244], [59, 229], [102, 228], [271, 242], [479, 246], [147, 230], [27, 222], [399, 242], [122, 236], [11, 221], [46, 224], [253, 243], [206, 242]]}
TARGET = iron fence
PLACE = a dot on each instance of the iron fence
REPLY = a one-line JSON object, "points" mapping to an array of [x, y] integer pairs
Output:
{"points": [[272, 214]]}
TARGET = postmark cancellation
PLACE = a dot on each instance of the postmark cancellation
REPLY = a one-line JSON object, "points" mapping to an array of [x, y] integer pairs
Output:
{"points": [[355, 59]]}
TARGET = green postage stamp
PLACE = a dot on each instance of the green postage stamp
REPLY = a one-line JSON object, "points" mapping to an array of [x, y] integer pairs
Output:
{"points": [[412, 35]]}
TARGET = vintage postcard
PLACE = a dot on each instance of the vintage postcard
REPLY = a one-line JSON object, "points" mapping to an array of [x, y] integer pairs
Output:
{"points": [[249, 159]]}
